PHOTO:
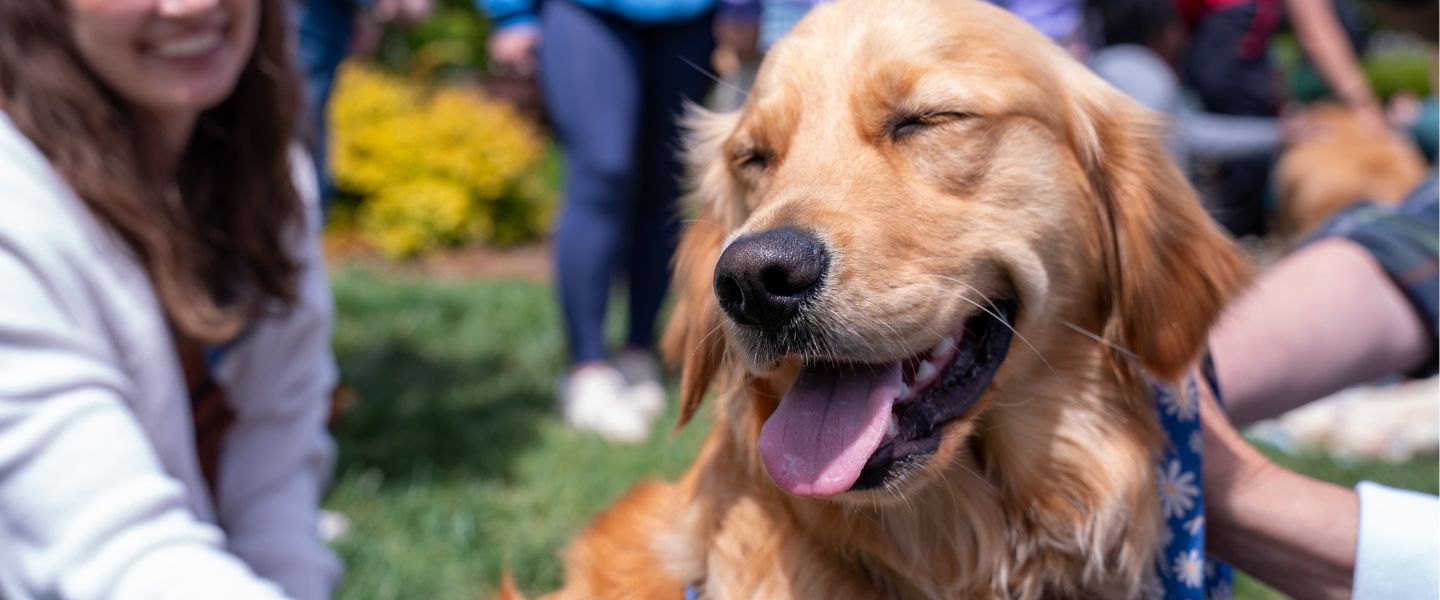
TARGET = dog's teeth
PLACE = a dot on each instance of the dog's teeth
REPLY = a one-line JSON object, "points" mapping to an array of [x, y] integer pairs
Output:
{"points": [[924, 373], [943, 347], [905, 392], [893, 429]]}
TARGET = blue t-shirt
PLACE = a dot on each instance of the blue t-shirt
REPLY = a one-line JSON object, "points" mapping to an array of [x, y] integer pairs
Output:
{"points": [[507, 13]]}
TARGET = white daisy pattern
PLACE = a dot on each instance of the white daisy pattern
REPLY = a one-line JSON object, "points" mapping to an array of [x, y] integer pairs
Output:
{"points": [[1178, 490], [1180, 404], [1182, 568], [1195, 526], [1189, 568]]}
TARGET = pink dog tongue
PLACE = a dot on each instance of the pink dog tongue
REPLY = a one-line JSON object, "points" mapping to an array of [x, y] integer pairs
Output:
{"points": [[818, 440]]}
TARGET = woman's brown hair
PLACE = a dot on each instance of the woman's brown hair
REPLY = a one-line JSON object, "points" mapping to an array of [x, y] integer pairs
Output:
{"points": [[216, 254]]}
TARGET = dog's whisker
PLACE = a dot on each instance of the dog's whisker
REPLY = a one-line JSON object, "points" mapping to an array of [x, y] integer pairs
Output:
{"points": [[949, 487], [726, 356], [927, 258], [1014, 404], [701, 343], [713, 77], [982, 295], [972, 288], [960, 295], [1096, 337], [959, 463], [893, 337], [894, 490], [931, 330]]}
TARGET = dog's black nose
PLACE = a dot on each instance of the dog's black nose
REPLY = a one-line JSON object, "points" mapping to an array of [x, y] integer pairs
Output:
{"points": [[762, 278]]}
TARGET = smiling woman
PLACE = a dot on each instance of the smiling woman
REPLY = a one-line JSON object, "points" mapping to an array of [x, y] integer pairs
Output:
{"points": [[169, 69], [164, 334]]}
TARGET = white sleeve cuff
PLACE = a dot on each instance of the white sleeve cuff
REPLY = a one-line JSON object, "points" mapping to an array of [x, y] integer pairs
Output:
{"points": [[1397, 556], [185, 572]]}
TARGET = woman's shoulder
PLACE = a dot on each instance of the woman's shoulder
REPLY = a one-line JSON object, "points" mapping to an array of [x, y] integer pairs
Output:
{"points": [[29, 186], [43, 218]]}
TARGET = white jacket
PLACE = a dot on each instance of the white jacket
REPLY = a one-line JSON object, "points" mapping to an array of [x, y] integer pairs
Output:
{"points": [[101, 494]]}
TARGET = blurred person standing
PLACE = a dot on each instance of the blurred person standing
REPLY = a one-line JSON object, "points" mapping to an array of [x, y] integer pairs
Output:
{"points": [[615, 76], [326, 31], [1142, 42], [1228, 65], [1228, 62], [777, 17], [1061, 20], [165, 365]]}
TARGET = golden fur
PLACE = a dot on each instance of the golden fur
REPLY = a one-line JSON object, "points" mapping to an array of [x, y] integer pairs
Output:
{"points": [[1341, 162], [1025, 177]]}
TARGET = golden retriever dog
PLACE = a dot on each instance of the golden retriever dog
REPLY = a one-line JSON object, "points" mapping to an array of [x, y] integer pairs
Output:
{"points": [[933, 264], [1337, 162]]}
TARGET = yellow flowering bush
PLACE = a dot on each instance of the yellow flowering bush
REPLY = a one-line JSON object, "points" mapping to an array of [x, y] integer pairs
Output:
{"points": [[410, 217], [434, 167]]}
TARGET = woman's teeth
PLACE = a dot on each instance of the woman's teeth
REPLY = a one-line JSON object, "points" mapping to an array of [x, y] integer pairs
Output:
{"points": [[189, 46]]}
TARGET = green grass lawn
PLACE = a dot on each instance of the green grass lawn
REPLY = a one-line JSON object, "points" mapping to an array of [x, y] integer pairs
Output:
{"points": [[453, 467]]}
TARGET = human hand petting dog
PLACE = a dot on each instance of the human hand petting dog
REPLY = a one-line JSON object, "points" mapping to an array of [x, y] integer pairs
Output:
{"points": [[1295, 533]]}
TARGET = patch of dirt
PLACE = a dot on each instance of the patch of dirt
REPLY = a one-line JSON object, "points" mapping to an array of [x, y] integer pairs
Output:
{"points": [[530, 262]]}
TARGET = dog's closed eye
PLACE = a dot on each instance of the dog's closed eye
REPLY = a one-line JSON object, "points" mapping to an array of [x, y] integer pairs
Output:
{"points": [[906, 125], [752, 160]]}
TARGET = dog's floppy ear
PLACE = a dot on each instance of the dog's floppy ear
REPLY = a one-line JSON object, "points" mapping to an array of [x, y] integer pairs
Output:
{"points": [[693, 341], [1170, 269]]}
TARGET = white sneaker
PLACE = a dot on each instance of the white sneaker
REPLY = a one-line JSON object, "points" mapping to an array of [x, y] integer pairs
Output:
{"points": [[594, 399], [332, 526], [646, 392]]}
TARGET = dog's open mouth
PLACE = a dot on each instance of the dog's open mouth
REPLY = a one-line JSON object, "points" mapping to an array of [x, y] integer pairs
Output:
{"points": [[846, 426]]}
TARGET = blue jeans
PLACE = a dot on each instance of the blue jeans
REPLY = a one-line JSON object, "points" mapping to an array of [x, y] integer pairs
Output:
{"points": [[614, 90], [324, 28]]}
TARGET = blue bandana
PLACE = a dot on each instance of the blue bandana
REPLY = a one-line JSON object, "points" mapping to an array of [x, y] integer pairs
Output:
{"points": [[1184, 571]]}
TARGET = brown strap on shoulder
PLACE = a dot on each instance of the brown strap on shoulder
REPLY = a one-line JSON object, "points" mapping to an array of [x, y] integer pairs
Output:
{"points": [[209, 408]]}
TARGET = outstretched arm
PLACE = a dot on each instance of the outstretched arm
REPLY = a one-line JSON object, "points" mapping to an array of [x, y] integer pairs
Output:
{"points": [[1324, 40]]}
